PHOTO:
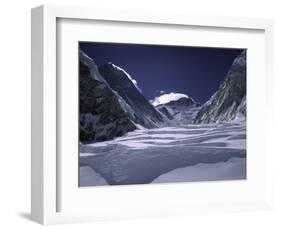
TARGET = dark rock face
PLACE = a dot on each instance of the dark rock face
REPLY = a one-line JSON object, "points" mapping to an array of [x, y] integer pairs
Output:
{"points": [[181, 111], [165, 111], [145, 114], [103, 114], [229, 101], [183, 102]]}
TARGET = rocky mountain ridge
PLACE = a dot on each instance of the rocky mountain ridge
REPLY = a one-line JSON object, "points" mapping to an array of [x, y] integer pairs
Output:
{"points": [[229, 102]]}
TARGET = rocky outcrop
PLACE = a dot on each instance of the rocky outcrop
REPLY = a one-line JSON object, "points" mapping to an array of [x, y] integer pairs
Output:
{"points": [[104, 115], [229, 102]]}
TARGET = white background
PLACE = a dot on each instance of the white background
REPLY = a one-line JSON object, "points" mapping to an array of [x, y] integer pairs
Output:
{"points": [[15, 114]]}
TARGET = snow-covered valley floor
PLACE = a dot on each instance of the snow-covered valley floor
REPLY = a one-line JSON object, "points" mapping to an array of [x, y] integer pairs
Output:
{"points": [[170, 154]]}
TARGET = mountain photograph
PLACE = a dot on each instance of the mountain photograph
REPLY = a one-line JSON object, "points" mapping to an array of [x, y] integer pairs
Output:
{"points": [[161, 114]]}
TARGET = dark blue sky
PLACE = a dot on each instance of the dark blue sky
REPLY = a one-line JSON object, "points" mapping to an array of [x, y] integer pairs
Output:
{"points": [[194, 71]]}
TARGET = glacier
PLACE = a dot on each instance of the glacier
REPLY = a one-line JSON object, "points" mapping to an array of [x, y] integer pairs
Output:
{"points": [[142, 156]]}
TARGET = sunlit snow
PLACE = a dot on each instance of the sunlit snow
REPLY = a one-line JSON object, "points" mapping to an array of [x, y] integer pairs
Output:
{"points": [[166, 98], [127, 74]]}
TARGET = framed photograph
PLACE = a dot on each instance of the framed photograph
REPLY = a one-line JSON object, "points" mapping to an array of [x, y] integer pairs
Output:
{"points": [[145, 128], [141, 114]]}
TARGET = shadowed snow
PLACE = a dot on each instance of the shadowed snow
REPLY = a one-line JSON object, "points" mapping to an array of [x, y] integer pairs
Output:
{"points": [[89, 177], [233, 169]]}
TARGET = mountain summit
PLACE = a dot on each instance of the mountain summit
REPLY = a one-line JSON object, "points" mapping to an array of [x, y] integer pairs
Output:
{"points": [[178, 107], [169, 97], [126, 87]]}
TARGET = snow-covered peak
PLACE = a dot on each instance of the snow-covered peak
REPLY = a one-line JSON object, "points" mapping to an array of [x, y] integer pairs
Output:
{"points": [[128, 75], [166, 98]]}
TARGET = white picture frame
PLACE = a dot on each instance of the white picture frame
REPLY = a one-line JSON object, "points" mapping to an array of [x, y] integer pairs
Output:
{"points": [[46, 179]]}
